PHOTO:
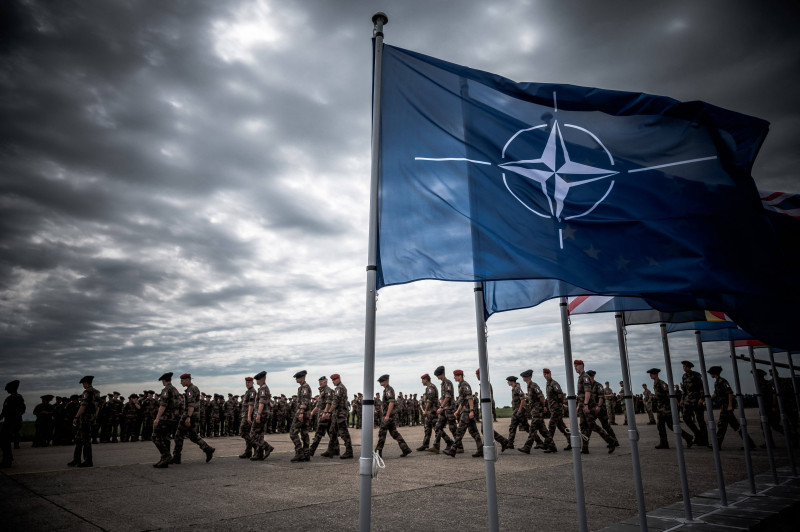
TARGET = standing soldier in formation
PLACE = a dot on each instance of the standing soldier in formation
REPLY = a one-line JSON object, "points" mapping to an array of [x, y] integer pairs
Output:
{"points": [[115, 406], [445, 413], [299, 429], [354, 405], [428, 405], [44, 413], [377, 411], [259, 413], [190, 421], [497, 436], [132, 414], [325, 409], [724, 394], [389, 419], [360, 410], [647, 399], [693, 404], [13, 408], [663, 410], [414, 410], [83, 421], [555, 402], [600, 397], [213, 417], [588, 410], [538, 408], [228, 409], [237, 418], [465, 413], [246, 417], [340, 408], [611, 403], [621, 396], [518, 409], [170, 405], [149, 408]]}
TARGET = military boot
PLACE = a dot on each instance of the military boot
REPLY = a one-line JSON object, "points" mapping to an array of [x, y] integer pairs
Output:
{"points": [[423, 446], [327, 454], [268, 450], [299, 456], [406, 452], [450, 452], [259, 455], [176, 459], [435, 449], [313, 448], [525, 449], [209, 453], [664, 444], [348, 453], [87, 456], [76, 456], [478, 453], [248, 452], [164, 462]]}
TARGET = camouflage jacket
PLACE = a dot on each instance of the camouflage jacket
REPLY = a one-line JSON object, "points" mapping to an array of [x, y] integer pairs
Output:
{"points": [[555, 395], [584, 385], [692, 386], [340, 398], [447, 393], [172, 402], [303, 397]]}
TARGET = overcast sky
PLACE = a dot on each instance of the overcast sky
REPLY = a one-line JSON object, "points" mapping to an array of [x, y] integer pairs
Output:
{"points": [[184, 185]]}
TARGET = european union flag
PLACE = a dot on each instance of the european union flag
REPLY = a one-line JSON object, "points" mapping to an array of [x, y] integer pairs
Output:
{"points": [[603, 192]]}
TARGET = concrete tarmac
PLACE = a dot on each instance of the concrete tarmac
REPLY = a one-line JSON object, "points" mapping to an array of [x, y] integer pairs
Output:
{"points": [[423, 491]]}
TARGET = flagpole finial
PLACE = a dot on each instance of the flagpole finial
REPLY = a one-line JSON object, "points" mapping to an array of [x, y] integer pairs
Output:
{"points": [[379, 19]]}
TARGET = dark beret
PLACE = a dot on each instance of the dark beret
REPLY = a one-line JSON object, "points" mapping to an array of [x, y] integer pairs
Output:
{"points": [[166, 376], [526, 373], [116, 393], [439, 371], [74, 397], [87, 379], [323, 378], [131, 396], [47, 397], [230, 395], [687, 363], [591, 373], [300, 374], [714, 370], [653, 370], [511, 378], [12, 386], [383, 378], [260, 375]]}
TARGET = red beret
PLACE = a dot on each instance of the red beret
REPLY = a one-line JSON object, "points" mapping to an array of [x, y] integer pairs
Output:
{"points": [[545, 370], [186, 376], [335, 376], [426, 376], [458, 372], [478, 371], [578, 362], [249, 379]]}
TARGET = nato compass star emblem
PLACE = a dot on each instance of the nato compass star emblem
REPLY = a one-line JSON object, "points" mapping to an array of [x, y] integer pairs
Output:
{"points": [[554, 172]]}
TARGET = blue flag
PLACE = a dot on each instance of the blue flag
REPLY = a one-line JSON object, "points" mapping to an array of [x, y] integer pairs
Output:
{"points": [[607, 192]]}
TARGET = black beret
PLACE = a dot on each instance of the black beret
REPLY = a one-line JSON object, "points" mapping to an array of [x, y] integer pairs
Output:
{"points": [[687, 363], [74, 397], [323, 378], [511, 378], [653, 370], [12, 386], [760, 372], [87, 379], [526, 373], [116, 393], [166, 376], [47, 397], [439, 371], [300, 374], [383, 378], [591, 373], [131, 396], [260, 375], [714, 370]]}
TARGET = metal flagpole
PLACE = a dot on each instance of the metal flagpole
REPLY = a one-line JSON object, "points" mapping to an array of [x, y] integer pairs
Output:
{"points": [[794, 380], [574, 432], [711, 425], [633, 433], [763, 414], [365, 462], [786, 434], [489, 450], [742, 421], [676, 425]]}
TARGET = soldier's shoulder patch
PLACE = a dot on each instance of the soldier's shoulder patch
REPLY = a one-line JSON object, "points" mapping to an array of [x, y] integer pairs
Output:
{"points": [[587, 380], [556, 387]]}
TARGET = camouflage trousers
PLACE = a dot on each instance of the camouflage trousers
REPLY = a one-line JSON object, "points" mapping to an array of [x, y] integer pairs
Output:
{"points": [[648, 407], [229, 424], [557, 422], [538, 427], [244, 431], [326, 425], [610, 411], [191, 431], [446, 417], [517, 420], [162, 434], [430, 424], [298, 432], [390, 427], [588, 424], [694, 417], [466, 423], [213, 426], [257, 430], [604, 422], [340, 431]]}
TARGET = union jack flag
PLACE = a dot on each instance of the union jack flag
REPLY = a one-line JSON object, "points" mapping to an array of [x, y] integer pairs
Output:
{"points": [[782, 202]]}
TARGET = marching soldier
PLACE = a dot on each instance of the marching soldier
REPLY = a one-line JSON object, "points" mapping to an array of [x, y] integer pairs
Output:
{"points": [[555, 402], [83, 421], [538, 408], [360, 410], [723, 392], [465, 413], [190, 421], [246, 417], [389, 419], [588, 410], [693, 404], [445, 413], [497, 436], [600, 397], [621, 396], [299, 429], [428, 405], [325, 408], [663, 410], [340, 409], [170, 405], [518, 409], [258, 413], [377, 412]]}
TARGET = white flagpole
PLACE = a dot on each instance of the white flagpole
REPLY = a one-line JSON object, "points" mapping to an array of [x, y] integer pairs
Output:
{"points": [[365, 462], [763, 414], [489, 450], [742, 420], [676, 425], [630, 412], [574, 434], [786, 434], [711, 425]]}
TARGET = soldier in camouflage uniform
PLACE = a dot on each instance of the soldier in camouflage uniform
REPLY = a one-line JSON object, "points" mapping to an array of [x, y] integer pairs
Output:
{"points": [[132, 412], [246, 417], [600, 398], [588, 410], [259, 412], [115, 409], [298, 432], [189, 422], [82, 422], [499, 438], [723, 393], [376, 414], [340, 409], [647, 399], [465, 413], [429, 404], [693, 404], [170, 405], [538, 408], [227, 408], [324, 408], [664, 410], [555, 402], [149, 408], [610, 402], [518, 409], [445, 413], [389, 419], [621, 402]]}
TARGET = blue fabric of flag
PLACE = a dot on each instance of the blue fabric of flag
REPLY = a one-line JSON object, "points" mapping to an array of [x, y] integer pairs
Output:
{"points": [[609, 192], [711, 331]]}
